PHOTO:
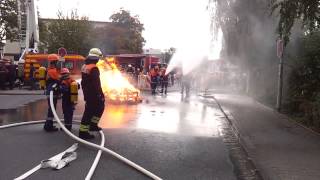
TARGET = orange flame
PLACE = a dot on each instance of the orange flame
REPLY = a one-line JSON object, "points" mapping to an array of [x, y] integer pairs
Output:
{"points": [[114, 85]]}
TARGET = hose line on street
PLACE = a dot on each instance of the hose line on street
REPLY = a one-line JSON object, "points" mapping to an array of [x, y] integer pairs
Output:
{"points": [[130, 163], [97, 159], [27, 123], [28, 173], [21, 124]]}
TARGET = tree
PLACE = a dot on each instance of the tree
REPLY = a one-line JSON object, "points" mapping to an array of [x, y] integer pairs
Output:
{"points": [[290, 11], [8, 21], [43, 34], [249, 42], [68, 31], [304, 81], [168, 54], [131, 41]]}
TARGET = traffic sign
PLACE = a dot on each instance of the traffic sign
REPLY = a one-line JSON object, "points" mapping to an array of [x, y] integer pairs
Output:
{"points": [[62, 52]]}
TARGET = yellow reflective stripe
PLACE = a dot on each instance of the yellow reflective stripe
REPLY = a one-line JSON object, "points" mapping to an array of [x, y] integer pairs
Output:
{"points": [[95, 119], [84, 127]]}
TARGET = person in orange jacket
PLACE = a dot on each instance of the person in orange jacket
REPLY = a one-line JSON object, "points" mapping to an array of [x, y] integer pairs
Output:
{"points": [[67, 105], [52, 84], [164, 80], [153, 80]]}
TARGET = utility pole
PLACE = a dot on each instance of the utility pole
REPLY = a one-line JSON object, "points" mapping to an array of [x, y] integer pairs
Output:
{"points": [[280, 49]]}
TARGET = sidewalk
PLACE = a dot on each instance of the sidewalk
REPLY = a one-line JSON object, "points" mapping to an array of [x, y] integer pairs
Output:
{"points": [[21, 92], [280, 148], [13, 99]]}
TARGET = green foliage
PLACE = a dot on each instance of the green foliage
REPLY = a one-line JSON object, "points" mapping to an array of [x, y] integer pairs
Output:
{"points": [[130, 40], [304, 81], [249, 42], [68, 31], [247, 29], [168, 54], [290, 11], [8, 20]]}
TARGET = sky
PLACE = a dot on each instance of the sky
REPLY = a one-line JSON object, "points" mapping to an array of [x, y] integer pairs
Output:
{"points": [[168, 23]]}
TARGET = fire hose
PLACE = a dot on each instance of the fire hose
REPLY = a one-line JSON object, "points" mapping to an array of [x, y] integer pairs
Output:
{"points": [[106, 150], [101, 148], [28, 173]]}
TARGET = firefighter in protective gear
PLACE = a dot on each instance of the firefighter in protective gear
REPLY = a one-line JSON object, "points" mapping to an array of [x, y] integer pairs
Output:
{"points": [[164, 78], [42, 77], [93, 95], [186, 84], [153, 80], [68, 103], [52, 83]]}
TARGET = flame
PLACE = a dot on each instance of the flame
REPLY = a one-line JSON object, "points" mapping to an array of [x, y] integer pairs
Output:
{"points": [[114, 85]]}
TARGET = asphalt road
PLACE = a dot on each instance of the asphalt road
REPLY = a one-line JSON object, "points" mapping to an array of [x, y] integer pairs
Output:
{"points": [[172, 137]]}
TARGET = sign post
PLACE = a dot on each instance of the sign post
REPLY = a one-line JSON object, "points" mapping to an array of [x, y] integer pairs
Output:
{"points": [[62, 52], [280, 49]]}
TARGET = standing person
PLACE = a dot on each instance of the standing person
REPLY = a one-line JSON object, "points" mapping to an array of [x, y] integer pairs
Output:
{"points": [[93, 95], [153, 80], [185, 84], [3, 76], [11, 75], [32, 76], [172, 78], [67, 104], [52, 83], [20, 74], [164, 80]]}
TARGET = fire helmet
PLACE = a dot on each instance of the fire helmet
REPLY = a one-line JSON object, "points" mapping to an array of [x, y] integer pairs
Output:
{"points": [[53, 57], [65, 71], [94, 55], [96, 52]]}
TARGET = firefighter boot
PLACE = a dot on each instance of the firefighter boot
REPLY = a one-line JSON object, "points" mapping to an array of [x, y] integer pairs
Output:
{"points": [[85, 135], [94, 124], [49, 127], [95, 128]]}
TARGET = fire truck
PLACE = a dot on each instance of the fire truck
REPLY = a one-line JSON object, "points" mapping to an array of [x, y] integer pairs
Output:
{"points": [[72, 62]]}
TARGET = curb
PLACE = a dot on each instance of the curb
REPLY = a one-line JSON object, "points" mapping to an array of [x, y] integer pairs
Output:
{"points": [[238, 135], [22, 94]]}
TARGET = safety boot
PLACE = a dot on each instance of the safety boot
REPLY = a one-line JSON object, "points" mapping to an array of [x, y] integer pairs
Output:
{"points": [[85, 135], [94, 128], [49, 127]]}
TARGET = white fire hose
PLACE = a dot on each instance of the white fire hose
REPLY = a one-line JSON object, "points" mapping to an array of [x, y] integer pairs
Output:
{"points": [[36, 168], [101, 148], [130, 163]]}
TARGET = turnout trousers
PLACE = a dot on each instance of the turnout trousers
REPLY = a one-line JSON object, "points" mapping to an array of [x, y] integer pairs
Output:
{"points": [[49, 121], [67, 108], [92, 114]]}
